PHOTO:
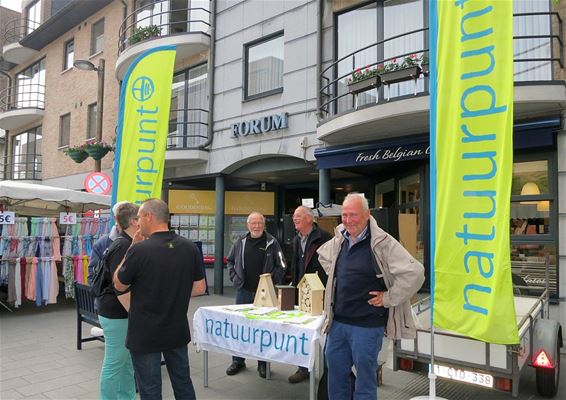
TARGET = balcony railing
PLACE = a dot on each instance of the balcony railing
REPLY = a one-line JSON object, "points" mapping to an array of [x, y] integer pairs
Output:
{"points": [[189, 130], [21, 167], [22, 95], [164, 21], [535, 59], [16, 29]]}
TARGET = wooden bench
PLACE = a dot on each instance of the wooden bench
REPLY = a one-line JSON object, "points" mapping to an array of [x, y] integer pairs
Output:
{"points": [[85, 313]]}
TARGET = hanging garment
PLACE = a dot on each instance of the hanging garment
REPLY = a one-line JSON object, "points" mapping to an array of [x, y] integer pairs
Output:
{"points": [[23, 263], [31, 291], [18, 283], [46, 280], [54, 284], [12, 281]]}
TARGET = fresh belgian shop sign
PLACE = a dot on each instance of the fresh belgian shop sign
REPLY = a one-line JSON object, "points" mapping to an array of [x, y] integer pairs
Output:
{"points": [[260, 125], [390, 152]]}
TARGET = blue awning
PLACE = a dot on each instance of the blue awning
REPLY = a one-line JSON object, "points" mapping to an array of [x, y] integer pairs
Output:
{"points": [[526, 135]]}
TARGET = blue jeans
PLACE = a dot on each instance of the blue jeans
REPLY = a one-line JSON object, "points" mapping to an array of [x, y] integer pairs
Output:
{"points": [[244, 296], [348, 345], [117, 374], [148, 373]]}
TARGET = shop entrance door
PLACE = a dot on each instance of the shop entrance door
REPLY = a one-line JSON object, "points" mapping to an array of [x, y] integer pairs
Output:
{"points": [[399, 210]]}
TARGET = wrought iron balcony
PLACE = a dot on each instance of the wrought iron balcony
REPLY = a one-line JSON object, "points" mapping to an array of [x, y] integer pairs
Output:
{"points": [[21, 104], [156, 24], [14, 31], [21, 167]]}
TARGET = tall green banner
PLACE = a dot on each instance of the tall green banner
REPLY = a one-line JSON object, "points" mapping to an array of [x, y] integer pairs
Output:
{"points": [[471, 167], [143, 124]]}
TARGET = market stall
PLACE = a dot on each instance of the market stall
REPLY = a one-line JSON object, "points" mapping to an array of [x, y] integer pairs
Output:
{"points": [[34, 256]]}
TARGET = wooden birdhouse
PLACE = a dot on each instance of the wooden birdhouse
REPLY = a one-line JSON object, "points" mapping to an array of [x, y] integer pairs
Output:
{"points": [[265, 295], [285, 298], [311, 294]]}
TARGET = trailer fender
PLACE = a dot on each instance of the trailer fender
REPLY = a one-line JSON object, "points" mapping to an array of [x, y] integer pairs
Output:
{"points": [[547, 336]]}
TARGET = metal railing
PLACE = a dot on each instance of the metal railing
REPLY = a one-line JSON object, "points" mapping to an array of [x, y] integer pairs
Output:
{"points": [[21, 167], [22, 95], [168, 22], [336, 98], [16, 29], [189, 131]]}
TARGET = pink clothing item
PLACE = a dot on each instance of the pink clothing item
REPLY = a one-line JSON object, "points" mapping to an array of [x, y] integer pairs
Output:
{"points": [[56, 241], [54, 284], [78, 269], [30, 292]]}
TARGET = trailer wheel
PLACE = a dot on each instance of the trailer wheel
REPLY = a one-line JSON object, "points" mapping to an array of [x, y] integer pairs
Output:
{"points": [[548, 378]]}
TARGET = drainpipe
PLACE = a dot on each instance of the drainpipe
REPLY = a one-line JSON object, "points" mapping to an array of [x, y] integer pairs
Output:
{"points": [[125, 13], [210, 72], [6, 141], [319, 15]]}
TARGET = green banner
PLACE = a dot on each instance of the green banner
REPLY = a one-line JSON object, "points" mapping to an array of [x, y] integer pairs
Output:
{"points": [[143, 124], [472, 131]]}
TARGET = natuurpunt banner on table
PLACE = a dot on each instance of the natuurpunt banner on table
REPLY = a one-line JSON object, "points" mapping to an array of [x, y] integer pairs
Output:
{"points": [[143, 123], [471, 167]]}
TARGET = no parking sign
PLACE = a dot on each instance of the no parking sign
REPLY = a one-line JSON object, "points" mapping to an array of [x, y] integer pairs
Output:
{"points": [[98, 182]]}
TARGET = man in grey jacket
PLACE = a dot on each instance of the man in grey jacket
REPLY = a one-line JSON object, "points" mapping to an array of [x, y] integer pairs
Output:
{"points": [[255, 253], [371, 279]]}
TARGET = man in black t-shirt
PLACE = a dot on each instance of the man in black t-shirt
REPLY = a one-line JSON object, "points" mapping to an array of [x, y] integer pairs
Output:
{"points": [[162, 270], [253, 254]]}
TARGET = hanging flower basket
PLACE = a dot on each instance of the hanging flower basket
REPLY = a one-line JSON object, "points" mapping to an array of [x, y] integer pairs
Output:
{"points": [[77, 155], [400, 75], [364, 85], [96, 152]]}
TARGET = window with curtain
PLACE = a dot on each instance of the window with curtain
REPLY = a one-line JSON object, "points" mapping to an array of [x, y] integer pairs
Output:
{"points": [[359, 28], [91, 121], [64, 130], [97, 37], [33, 13], [69, 56], [155, 12], [356, 30], [400, 17], [26, 155], [189, 104], [264, 66], [524, 49], [30, 86]]}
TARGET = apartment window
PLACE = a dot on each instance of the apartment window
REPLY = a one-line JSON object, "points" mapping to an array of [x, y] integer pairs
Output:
{"points": [[26, 155], [97, 39], [264, 66], [33, 12], [30, 86], [64, 130], [69, 55], [189, 104], [91, 121]]}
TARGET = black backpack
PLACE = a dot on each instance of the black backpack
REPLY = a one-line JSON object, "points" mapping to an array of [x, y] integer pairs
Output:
{"points": [[101, 276], [102, 280]]}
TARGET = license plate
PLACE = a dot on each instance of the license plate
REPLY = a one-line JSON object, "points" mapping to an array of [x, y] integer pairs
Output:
{"points": [[463, 375]]}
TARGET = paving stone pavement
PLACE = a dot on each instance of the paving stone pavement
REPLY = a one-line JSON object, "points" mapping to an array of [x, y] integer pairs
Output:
{"points": [[39, 360]]}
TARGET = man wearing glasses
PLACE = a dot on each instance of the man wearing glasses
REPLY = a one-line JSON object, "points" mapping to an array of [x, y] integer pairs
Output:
{"points": [[255, 253]]}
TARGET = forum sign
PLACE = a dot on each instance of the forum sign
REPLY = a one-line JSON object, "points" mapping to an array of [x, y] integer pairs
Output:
{"points": [[260, 125]]}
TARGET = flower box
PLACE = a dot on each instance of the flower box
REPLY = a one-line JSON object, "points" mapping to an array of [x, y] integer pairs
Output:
{"points": [[424, 69], [400, 75], [77, 155], [364, 85]]}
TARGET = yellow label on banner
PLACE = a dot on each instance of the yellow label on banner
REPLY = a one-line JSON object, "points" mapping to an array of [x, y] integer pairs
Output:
{"points": [[236, 203], [143, 123], [473, 293]]}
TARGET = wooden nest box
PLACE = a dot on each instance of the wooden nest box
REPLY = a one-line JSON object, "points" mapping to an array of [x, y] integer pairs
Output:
{"points": [[285, 298], [311, 294], [265, 295]]}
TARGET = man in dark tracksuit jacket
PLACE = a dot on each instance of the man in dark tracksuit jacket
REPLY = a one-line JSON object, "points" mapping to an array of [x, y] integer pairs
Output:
{"points": [[255, 253], [305, 259]]}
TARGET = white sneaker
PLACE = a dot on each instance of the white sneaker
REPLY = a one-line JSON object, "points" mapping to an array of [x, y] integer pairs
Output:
{"points": [[95, 331]]}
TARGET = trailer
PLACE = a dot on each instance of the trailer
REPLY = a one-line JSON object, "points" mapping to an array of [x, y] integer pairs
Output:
{"points": [[463, 359]]}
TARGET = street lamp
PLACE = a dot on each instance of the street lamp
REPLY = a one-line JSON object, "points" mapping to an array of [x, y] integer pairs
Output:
{"points": [[86, 65]]}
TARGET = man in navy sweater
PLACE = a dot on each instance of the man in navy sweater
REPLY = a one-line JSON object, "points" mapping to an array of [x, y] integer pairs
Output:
{"points": [[371, 279]]}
